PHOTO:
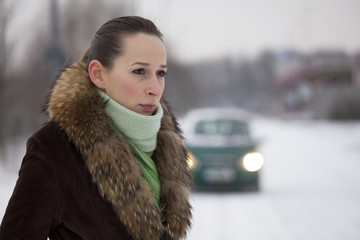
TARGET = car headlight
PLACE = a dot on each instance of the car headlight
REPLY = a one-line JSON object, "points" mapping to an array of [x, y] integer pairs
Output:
{"points": [[191, 160], [253, 161]]}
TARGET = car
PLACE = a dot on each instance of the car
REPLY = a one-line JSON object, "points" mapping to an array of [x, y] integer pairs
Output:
{"points": [[222, 152]]}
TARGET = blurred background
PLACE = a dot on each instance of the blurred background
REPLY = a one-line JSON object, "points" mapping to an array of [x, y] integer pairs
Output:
{"points": [[294, 65]]}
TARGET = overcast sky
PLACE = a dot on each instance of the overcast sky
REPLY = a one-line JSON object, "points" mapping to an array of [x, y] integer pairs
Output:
{"points": [[202, 29]]}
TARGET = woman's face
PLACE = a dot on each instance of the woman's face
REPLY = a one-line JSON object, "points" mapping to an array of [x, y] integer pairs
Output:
{"points": [[136, 79]]}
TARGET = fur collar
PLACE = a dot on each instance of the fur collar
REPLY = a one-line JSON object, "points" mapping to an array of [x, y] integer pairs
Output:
{"points": [[76, 107]]}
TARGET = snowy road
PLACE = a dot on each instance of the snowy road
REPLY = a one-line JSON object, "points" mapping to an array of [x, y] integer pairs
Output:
{"points": [[310, 188]]}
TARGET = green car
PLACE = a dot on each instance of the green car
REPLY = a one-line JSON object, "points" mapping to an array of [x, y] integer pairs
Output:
{"points": [[222, 152]]}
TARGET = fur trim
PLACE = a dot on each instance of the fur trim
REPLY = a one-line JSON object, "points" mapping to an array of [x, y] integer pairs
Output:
{"points": [[76, 107]]}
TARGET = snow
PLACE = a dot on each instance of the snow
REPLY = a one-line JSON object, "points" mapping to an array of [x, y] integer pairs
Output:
{"points": [[15, 150], [7, 183], [310, 187]]}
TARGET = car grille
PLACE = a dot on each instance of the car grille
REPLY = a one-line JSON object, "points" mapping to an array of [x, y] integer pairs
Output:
{"points": [[217, 159]]}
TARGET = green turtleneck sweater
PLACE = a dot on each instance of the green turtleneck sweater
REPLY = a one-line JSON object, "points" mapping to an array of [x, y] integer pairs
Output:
{"points": [[140, 131]]}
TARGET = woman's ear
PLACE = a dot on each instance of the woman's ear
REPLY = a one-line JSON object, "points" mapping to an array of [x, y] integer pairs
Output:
{"points": [[95, 73]]}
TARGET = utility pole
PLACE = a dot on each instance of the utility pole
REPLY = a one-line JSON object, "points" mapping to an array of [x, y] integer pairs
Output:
{"points": [[3, 61], [54, 58]]}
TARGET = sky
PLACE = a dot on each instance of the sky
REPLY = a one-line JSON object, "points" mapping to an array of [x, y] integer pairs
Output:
{"points": [[202, 29]]}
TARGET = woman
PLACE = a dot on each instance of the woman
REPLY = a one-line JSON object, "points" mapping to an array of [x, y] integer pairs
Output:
{"points": [[110, 163]]}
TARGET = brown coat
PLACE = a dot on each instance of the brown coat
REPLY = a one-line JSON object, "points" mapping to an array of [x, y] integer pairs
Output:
{"points": [[79, 180]]}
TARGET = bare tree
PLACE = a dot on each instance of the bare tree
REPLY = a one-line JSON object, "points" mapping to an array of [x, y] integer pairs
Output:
{"points": [[181, 90], [5, 16], [77, 32], [25, 94]]}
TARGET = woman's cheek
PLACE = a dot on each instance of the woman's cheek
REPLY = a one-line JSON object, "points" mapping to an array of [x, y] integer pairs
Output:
{"points": [[130, 88]]}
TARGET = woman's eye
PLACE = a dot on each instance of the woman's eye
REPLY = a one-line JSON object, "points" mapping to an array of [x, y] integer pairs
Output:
{"points": [[139, 71], [161, 73]]}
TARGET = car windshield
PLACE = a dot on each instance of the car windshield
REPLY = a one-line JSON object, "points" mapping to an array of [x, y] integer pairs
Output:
{"points": [[222, 127]]}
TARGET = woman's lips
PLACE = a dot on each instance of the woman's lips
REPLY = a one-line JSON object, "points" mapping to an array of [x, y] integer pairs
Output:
{"points": [[148, 107]]}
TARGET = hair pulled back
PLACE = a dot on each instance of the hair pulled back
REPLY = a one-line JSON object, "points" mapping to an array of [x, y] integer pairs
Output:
{"points": [[107, 42]]}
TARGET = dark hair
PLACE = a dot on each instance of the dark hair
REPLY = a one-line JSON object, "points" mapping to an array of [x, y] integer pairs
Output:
{"points": [[106, 44]]}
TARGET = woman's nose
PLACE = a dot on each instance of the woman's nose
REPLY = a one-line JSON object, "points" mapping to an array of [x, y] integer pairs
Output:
{"points": [[154, 87]]}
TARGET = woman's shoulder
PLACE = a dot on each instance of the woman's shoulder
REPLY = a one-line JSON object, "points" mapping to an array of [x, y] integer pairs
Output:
{"points": [[49, 137], [50, 131], [49, 146]]}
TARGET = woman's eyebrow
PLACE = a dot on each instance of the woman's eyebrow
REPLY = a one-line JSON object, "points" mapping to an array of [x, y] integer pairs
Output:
{"points": [[140, 63], [146, 64]]}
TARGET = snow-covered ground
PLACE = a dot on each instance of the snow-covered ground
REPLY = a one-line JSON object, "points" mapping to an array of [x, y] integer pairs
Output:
{"points": [[15, 150], [310, 187]]}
